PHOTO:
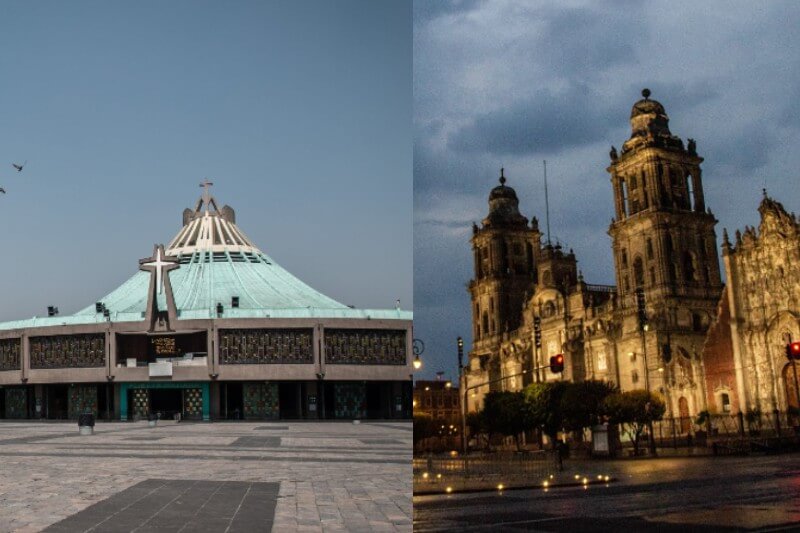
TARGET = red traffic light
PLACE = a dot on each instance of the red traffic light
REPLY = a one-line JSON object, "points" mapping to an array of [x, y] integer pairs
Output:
{"points": [[557, 363], [793, 350]]}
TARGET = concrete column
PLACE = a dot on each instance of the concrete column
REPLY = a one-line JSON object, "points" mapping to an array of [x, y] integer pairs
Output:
{"points": [[318, 348], [26, 357], [212, 348]]}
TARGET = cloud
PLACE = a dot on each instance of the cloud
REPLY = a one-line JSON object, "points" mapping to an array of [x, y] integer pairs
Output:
{"points": [[547, 123], [425, 10], [507, 83]]}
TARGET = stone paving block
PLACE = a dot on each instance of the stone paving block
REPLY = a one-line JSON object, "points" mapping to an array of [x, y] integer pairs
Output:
{"points": [[319, 483]]}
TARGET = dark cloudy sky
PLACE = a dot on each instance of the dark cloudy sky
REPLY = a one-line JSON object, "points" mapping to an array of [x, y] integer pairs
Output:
{"points": [[508, 83], [299, 112]]}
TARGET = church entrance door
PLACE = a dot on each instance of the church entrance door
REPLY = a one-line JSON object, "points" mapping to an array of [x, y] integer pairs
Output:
{"points": [[790, 384], [683, 411]]}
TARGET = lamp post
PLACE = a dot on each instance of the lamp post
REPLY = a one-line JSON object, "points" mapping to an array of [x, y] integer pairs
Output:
{"points": [[463, 383]]}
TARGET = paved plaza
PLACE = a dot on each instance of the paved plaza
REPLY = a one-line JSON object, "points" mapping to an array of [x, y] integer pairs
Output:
{"points": [[224, 476]]}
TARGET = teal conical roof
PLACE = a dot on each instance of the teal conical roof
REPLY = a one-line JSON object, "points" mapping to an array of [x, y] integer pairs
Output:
{"points": [[217, 262]]}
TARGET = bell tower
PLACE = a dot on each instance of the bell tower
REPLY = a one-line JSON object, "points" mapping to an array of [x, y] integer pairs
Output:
{"points": [[664, 248], [504, 247]]}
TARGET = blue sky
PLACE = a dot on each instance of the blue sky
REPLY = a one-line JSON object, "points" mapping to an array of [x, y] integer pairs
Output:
{"points": [[508, 83], [299, 112]]}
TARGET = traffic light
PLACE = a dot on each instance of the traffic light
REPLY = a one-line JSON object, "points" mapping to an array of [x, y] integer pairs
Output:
{"points": [[557, 363], [537, 331], [793, 350]]}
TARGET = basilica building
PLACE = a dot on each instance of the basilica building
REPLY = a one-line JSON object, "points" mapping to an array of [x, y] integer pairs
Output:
{"points": [[530, 301], [209, 327]]}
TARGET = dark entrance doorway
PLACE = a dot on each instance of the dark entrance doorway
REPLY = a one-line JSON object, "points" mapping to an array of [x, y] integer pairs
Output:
{"points": [[168, 402], [377, 398], [233, 403], [57, 402], [289, 400], [329, 397]]}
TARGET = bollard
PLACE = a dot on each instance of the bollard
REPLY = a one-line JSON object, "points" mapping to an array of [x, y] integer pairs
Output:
{"points": [[86, 424]]}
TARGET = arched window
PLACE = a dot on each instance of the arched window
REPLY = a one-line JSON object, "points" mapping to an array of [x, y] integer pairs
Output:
{"points": [[623, 188], [638, 272], [485, 323], [690, 201], [549, 309], [649, 248], [688, 267]]}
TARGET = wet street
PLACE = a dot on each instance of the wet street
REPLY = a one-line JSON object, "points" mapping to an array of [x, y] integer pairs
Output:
{"points": [[670, 494]]}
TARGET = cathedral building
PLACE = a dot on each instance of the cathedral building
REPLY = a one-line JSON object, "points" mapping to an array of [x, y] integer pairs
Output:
{"points": [[530, 301], [760, 314]]}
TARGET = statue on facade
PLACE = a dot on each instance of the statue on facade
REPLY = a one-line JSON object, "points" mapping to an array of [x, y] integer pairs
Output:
{"points": [[613, 154]]}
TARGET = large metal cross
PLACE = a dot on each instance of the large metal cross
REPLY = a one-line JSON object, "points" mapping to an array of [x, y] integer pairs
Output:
{"points": [[206, 194], [159, 264]]}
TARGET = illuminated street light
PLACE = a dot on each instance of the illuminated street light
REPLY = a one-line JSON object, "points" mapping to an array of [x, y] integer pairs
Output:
{"points": [[417, 363]]}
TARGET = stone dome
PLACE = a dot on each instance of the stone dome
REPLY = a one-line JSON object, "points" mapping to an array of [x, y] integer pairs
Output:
{"points": [[645, 106], [504, 206]]}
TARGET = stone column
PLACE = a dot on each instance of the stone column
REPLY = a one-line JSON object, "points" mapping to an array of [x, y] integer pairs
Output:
{"points": [[697, 185], [738, 365]]}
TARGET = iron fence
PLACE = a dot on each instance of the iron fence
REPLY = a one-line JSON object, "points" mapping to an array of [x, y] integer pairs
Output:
{"points": [[535, 464]]}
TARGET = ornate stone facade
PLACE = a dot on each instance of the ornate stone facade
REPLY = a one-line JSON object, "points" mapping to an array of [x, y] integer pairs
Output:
{"points": [[763, 272], [365, 347], [664, 248], [10, 354], [266, 346], [68, 351]]}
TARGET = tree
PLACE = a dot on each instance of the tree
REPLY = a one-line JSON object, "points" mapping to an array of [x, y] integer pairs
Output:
{"points": [[507, 413], [424, 427], [582, 403], [635, 410], [544, 402], [477, 426]]}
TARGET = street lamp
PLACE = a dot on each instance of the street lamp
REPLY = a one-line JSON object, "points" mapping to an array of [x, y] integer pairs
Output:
{"points": [[417, 363]]}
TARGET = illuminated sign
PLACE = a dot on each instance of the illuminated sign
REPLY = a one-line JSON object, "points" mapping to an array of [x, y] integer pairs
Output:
{"points": [[163, 346]]}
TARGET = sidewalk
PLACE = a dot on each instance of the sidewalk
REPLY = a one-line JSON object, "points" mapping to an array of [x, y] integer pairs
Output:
{"points": [[575, 473]]}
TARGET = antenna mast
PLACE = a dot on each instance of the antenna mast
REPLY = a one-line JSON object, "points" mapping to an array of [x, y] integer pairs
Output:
{"points": [[546, 202]]}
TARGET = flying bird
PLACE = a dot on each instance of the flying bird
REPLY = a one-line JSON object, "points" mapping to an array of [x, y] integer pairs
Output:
{"points": [[19, 167], [2, 190]]}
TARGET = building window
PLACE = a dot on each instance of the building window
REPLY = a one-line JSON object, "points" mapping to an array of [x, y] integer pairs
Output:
{"points": [[725, 401], [638, 272], [624, 258], [688, 267], [649, 248], [652, 276]]}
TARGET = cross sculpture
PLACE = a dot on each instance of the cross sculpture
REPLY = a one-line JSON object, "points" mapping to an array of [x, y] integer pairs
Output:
{"points": [[159, 264], [206, 194]]}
